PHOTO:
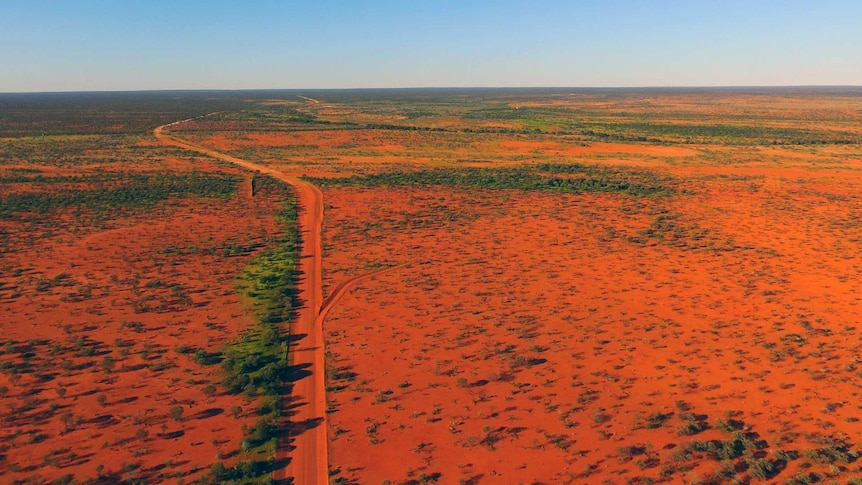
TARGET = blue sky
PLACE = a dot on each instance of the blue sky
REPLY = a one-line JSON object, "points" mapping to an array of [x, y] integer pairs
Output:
{"points": [[73, 45]]}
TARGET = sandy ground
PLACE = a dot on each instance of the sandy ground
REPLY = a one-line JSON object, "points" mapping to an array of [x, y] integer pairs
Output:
{"points": [[530, 338], [475, 337], [102, 322]]}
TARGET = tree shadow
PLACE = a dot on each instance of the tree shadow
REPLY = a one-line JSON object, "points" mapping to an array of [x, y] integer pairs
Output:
{"points": [[296, 428], [297, 372], [208, 413], [172, 434], [103, 421]]}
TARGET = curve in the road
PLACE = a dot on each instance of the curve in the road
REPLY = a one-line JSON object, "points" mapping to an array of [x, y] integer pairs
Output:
{"points": [[339, 291], [309, 456], [310, 100]]}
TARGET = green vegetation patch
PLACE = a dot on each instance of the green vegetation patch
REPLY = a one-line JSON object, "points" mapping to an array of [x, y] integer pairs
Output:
{"points": [[652, 126], [549, 177], [119, 190], [257, 363], [74, 150], [714, 133]]}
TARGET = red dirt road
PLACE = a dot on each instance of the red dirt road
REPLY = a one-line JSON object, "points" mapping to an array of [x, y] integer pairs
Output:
{"points": [[308, 449]]}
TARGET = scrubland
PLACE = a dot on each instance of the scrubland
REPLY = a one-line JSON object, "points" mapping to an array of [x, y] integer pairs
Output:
{"points": [[588, 286], [130, 282]]}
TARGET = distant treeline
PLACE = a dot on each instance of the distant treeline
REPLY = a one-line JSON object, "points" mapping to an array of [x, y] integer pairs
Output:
{"points": [[139, 112], [121, 190], [549, 177], [106, 113]]}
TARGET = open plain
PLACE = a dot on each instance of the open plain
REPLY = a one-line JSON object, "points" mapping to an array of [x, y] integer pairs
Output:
{"points": [[580, 286]]}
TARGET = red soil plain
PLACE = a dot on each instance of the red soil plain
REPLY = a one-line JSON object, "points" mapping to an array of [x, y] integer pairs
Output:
{"points": [[709, 335], [706, 337], [103, 315]]}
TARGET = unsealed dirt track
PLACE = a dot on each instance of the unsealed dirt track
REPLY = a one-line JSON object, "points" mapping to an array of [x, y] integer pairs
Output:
{"points": [[340, 290], [308, 448]]}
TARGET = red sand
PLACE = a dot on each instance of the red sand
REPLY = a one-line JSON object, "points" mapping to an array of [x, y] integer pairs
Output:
{"points": [[535, 338], [96, 319], [587, 338], [531, 338], [520, 337]]}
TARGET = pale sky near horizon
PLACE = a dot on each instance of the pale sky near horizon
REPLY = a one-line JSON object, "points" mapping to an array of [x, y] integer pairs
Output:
{"points": [[94, 45]]}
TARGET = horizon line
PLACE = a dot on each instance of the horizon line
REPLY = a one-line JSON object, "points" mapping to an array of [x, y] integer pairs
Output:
{"points": [[417, 88]]}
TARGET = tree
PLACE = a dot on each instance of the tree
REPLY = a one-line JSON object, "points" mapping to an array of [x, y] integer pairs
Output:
{"points": [[68, 420], [176, 413], [217, 471], [209, 390], [107, 364]]}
